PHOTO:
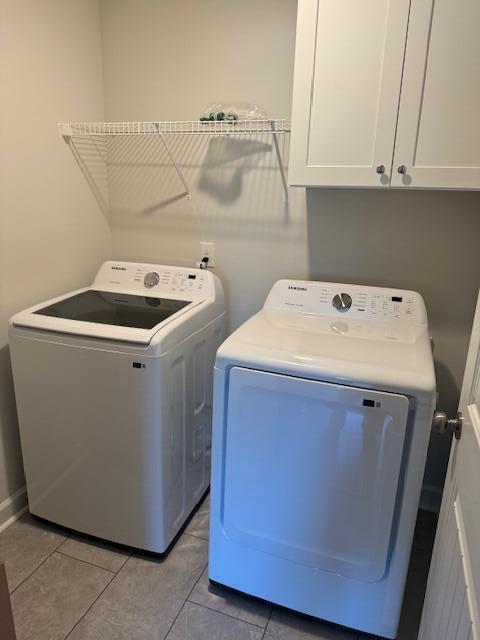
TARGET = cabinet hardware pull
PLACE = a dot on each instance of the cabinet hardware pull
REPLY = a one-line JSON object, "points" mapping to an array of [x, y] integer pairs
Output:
{"points": [[381, 169], [402, 169]]}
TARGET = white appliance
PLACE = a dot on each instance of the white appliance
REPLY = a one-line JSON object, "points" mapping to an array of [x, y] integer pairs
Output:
{"points": [[323, 404], [114, 392]]}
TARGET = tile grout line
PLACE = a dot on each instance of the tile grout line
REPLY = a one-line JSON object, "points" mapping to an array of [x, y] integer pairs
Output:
{"points": [[196, 537], [215, 610], [37, 567], [186, 600], [223, 613], [129, 555], [268, 621], [90, 607], [91, 564]]}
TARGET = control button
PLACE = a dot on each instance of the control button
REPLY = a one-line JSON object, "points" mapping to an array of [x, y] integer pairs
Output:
{"points": [[342, 302], [151, 279]]}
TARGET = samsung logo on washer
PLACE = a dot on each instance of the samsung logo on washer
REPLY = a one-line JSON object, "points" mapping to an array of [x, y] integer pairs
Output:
{"points": [[291, 286], [119, 268]]}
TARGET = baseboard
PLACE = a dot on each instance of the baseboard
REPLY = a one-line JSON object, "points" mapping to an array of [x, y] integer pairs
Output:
{"points": [[12, 508], [431, 498]]}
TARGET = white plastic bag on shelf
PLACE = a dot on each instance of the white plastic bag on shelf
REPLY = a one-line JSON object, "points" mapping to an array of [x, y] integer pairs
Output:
{"points": [[232, 111]]}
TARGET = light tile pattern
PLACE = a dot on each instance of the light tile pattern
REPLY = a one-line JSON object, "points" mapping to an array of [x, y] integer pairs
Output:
{"points": [[285, 625], [102, 555], [199, 623], [230, 602], [50, 603], [199, 524], [147, 594], [67, 586], [25, 545]]}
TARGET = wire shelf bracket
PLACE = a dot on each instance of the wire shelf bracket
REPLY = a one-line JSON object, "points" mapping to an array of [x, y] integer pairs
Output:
{"points": [[188, 195], [279, 159], [273, 127]]}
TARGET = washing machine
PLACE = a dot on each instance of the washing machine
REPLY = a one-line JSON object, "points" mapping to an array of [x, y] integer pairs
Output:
{"points": [[323, 404], [113, 385]]}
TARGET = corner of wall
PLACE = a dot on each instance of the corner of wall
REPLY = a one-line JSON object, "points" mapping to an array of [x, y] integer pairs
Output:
{"points": [[12, 508]]}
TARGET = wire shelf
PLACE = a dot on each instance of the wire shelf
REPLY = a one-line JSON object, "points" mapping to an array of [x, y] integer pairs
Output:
{"points": [[77, 130], [173, 127]]}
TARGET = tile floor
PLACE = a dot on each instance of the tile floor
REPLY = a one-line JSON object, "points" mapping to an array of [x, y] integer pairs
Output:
{"points": [[64, 586]]}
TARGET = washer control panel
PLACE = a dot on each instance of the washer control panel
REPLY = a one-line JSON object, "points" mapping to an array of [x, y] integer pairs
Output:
{"points": [[156, 280], [347, 301]]}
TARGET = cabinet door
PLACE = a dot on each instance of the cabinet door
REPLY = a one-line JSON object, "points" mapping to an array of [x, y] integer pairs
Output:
{"points": [[348, 69], [438, 138]]}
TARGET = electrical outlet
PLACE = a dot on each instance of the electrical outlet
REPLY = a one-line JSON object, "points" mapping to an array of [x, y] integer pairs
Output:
{"points": [[207, 250]]}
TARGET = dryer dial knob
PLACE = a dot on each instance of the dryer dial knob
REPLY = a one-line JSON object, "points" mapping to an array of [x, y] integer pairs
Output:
{"points": [[342, 302], [151, 279]]}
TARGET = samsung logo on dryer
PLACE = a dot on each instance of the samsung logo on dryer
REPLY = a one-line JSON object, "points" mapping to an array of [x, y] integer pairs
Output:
{"points": [[295, 288], [115, 268]]}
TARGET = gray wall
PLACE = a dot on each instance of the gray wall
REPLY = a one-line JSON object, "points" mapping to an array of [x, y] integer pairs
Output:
{"points": [[426, 241], [52, 234], [168, 60]]}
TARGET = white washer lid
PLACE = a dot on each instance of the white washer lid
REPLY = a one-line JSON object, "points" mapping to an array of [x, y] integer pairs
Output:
{"points": [[31, 318]]}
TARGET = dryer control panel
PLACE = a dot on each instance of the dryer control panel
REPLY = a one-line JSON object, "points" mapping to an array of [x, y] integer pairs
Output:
{"points": [[155, 280], [347, 301]]}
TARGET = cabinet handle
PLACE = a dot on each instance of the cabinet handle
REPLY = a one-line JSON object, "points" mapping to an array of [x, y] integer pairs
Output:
{"points": [[381, 169], [402, 169]]}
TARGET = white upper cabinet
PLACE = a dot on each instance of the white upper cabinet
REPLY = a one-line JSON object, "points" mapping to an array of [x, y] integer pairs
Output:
{"points": [[348, 69], [362, 67], [438, 136]]}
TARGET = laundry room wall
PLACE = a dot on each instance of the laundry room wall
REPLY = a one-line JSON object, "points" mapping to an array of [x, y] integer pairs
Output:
{"points": [[52, 233], [168, 60]]}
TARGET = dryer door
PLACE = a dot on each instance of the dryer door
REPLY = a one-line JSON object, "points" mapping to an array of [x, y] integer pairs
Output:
{"points": [[312, 470]]}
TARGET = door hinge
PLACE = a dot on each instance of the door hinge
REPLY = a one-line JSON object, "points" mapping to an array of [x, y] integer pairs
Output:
{"points": [[442, 423]]}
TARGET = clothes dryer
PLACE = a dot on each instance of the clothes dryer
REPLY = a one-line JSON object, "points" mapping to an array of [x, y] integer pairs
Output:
{"points": [[323, 404]]}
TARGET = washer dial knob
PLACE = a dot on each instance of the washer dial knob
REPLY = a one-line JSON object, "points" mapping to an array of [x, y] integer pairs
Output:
{"points": [[342, 302], [151, 279]]}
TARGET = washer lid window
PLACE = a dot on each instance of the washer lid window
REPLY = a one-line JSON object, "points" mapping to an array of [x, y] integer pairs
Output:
{"points": [[108, 315], [112, 308]]}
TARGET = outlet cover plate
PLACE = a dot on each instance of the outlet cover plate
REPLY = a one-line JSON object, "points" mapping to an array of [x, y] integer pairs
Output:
{"points": [[207, 249]]}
